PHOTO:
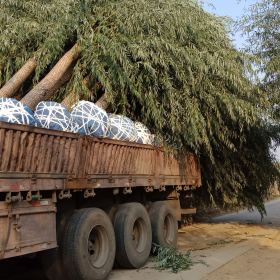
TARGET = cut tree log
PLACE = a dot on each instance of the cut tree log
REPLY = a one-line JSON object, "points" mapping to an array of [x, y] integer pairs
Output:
{"points": [[72, 98], [69, 100], [46, 88], [103, 102], [13, 85], [62, 81]]}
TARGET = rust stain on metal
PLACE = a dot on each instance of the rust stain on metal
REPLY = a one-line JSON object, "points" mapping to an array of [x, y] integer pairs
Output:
{"points": [[26, 151]]}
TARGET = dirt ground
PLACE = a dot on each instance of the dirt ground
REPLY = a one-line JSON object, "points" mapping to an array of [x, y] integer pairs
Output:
{"points": [[238, 246], [259, 261], [231, 247], [222, 251]]}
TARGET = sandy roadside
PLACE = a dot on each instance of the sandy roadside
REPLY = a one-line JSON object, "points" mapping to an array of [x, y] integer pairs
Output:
{"points": [[235, 246], [229, 251]]}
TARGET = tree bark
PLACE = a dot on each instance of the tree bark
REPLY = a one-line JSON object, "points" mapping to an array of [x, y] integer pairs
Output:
{"points": [[13, 85], [62, 81], [45, 89], [102, 102], [71, 98]]}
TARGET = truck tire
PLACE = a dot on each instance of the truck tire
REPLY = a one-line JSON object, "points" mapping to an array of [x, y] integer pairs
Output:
{"points": [[89, 245], [133, 235], [164, 224]]}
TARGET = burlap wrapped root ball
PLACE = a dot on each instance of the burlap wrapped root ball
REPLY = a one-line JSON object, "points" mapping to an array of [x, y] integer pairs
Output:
{"points": [[13, 111], [53, 115], [121, 128], [144, 136], [89, 119]]}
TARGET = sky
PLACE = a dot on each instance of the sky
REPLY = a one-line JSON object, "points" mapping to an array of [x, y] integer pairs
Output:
{"points": [[231, 8], [234, 9]]}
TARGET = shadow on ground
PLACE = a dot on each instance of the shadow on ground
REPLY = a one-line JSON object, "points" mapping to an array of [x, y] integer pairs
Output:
{"points": [[237, 246]]}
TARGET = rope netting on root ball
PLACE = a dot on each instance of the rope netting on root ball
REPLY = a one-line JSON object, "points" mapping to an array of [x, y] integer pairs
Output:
{"points": [[121, 128], [53, 115], [144, 135], [167, 64], [90, 119], [13, 111]]}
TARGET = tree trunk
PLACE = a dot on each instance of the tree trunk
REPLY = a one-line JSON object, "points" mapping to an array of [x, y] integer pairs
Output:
{"points": [[102, 102], [13, 85], [45, 89], [62, 81], [71, 98]]}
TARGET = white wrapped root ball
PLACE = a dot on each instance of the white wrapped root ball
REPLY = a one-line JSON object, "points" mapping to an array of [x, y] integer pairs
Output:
{"points": [[144, 135], [53, 115], [121, 128], [13, 111], [89, 119]]}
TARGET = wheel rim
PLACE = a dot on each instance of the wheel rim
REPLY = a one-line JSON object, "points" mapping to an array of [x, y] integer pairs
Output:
{"points": [[168, 229], [139, 235], [98, 246]]}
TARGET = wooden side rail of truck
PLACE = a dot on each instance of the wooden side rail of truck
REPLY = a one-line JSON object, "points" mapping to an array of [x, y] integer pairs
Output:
{"points": [[83, 203]]}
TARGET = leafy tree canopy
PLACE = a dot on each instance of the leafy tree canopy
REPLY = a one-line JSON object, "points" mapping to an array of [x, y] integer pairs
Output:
{"points": [[167, 63], [261, 25]]}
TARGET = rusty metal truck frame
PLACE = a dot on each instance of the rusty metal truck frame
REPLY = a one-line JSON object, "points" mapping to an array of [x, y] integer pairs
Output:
{"points": [[40, 169]]}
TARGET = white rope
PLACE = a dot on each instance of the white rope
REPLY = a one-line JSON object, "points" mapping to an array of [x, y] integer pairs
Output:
{"points": [[89, 119], [122, 128], [144, 135], [86, 118], [53, 115], [12, 111]]}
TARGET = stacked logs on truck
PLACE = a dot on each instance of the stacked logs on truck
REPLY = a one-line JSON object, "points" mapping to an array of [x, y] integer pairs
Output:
{"points": [[56, 78], [170, 64]]}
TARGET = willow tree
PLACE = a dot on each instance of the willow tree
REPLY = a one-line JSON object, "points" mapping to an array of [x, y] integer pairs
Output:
{"points": [[166, 63], [261, 25]]}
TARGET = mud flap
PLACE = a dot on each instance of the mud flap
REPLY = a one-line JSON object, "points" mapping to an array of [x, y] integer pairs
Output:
{"points": [[27, 227]]}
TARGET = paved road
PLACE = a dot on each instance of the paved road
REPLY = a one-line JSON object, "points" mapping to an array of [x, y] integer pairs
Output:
{"points": [[272, 217], [224, 245], [237, 246]]}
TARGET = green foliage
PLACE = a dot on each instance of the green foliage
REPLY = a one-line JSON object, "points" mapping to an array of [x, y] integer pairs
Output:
{"points": [[243, 176], [261, 25], [172, 259], [167, 63]]}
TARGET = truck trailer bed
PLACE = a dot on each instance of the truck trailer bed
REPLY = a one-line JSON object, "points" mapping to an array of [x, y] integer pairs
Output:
{"points": [[41, 159], [45, 173]]}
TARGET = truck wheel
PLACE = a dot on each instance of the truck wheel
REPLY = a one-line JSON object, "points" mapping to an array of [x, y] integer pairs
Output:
{"points": [[133, 235], [89, 245], [164, 224]]}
